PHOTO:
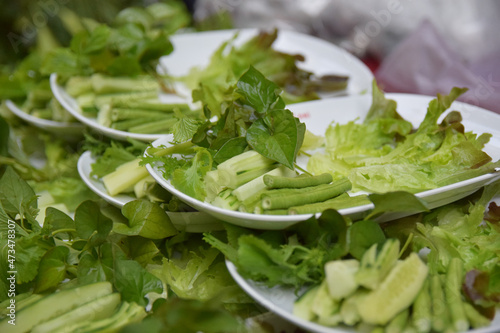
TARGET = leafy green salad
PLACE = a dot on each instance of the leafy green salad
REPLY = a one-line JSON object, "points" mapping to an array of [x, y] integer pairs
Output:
{"points": [[245, 160]]}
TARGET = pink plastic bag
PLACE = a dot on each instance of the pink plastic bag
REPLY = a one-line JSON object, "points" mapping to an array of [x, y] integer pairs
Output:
{"points": [[424, 63]]}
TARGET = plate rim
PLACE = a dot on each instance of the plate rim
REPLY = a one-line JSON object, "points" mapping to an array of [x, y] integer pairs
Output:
{"points": [[47, 124], [249, 289], [281, 221], [62, 97]]}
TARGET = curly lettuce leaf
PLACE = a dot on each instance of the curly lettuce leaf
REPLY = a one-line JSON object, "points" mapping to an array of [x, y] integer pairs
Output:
{"points": [[383, 154], [189, 178]]}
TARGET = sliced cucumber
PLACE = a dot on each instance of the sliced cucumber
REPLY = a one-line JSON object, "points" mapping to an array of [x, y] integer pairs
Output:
{"points": [[396, 293], [302, 307], [340, 275], [99, 308], [375, 266], [325, 307], [55, 305]]}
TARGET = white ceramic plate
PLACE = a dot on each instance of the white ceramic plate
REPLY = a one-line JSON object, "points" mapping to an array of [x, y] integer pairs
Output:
{"points": [[280, 301], [69, 130], [72, 107], [186, 221], [194, 50], [317, 115], [321, 57]]}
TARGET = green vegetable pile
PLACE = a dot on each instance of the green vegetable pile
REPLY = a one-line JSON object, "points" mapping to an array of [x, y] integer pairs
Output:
{"points": [[383, 153], [436, 271], [69, 261]]}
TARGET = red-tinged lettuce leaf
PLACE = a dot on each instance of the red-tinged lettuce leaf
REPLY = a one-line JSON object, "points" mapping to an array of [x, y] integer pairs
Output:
{"points": [[492, 215], [477, 289]]}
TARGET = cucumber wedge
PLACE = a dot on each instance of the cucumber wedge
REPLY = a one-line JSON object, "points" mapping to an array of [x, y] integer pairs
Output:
{"points": [[54, 305], [375, 266], [340, 276], [302, 307], [100, 308], [396, 292]]}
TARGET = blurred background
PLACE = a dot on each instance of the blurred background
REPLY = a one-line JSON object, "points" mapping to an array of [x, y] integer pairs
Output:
{"points": [[423, 47]]}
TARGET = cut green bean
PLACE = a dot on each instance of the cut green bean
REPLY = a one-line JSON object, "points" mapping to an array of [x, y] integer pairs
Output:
{"points": [[118, 114], [152, 104], [248, 190], [78, 85], [184, 148], [398, 323], [125, 125], [162, 126], [123, 97], [440, 315], [453, 287], [421, 314], [297, 182], [106, 84], [286, 198], [341, 202], [476, 319], [275, 212]]}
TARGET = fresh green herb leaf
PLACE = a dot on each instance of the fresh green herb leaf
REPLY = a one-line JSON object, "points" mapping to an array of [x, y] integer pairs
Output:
{"points": [[91, 224], [258, 92], [145, 219], [277, 136], [52, 269], [134, 282]]}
